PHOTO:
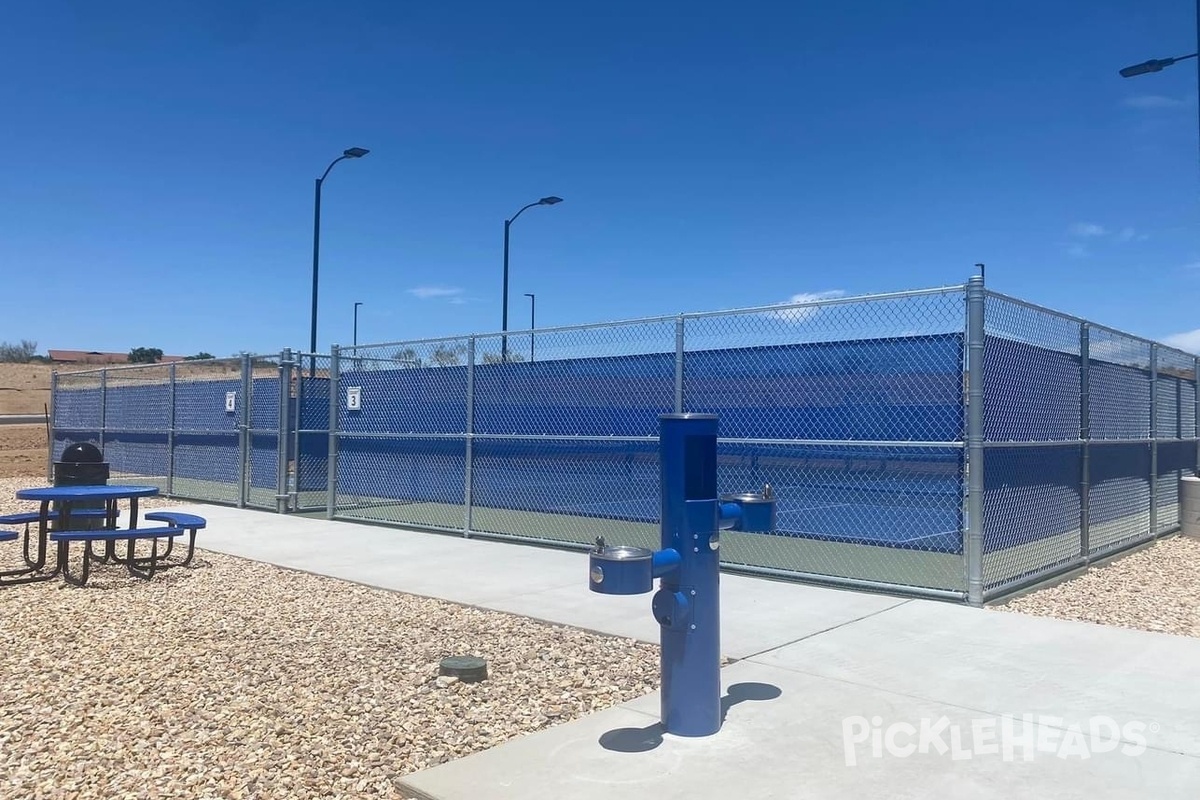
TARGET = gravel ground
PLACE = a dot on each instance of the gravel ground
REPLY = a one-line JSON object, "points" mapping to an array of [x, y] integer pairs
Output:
{"points": [[236, 679], [1156, 589]]}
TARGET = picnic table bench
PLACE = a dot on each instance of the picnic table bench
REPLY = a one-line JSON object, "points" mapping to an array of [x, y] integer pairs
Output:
{"points": [[189, 522], [177, 524], [144, 567]]}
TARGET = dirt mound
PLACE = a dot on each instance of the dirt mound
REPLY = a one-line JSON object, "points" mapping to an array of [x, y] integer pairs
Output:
{"points": [[24, 388], [22, 450]]}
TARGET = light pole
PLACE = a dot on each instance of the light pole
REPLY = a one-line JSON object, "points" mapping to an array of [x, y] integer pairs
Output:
{"points": [[353, 152], [1157, 64], [356, 305], [532, 321], [545, 201]]}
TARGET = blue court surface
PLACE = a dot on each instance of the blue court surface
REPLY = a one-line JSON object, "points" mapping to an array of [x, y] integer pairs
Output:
{"points": [[621, 482], [911, 527]]}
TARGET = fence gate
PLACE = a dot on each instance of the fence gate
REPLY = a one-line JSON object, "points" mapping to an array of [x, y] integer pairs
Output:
{"points": [[217, 430]]}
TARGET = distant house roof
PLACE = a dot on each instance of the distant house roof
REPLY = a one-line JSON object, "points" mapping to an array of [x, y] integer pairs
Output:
{"points": [[95, 357]]}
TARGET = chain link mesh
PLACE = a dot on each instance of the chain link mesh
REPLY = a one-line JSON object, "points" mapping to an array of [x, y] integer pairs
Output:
{"points": [[207, 453], [796, 388], [1176, 460], [890, 514], [1030, 373], [853, 410], [887, 370], [78, 410], [566, 491], [417, 388], [1119, 386], [1119, 495], [1137, 443], [553, 434], [605, 381], [263, 451], [310, 450], [137, 416], [1031, 510], [402, 451], [1174, 403]]}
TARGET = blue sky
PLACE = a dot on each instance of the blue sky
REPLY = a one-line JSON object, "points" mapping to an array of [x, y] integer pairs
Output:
{"points": [[160, 158]]}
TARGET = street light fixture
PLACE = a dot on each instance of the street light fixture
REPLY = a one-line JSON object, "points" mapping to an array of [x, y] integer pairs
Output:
{"points": [[532, 321], [1153, 65], [353, 152], [1157, 64], [545, 201]]}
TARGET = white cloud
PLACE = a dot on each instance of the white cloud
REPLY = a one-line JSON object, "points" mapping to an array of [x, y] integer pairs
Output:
{"points": [[1189, 340], [1193, 265], [458, 301], [1154, 101], [427, 292], [1128, 234], [798, 312], [1090, 232], [1086, 230]]}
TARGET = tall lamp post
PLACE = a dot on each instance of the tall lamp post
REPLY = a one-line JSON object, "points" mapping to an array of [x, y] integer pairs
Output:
{"points": [[356, 305], [545, 201], [353, 152], [532, 321], [1157, 64]]}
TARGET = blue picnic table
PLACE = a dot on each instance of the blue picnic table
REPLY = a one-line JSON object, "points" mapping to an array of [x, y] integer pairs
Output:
{"points": [[67, 499]]}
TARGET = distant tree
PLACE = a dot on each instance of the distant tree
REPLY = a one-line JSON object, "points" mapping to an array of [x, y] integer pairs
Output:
{"points": [[17, 353], [497, 358], [199, 356], [407, 357], [446, 356], [145, 355]]}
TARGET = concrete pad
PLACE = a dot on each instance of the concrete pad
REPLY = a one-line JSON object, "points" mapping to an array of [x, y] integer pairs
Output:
{"points": [[763, 614], [533, 581], [1002, 663], [767, 613], [574, 604], [469, 571], [831, 654], [793, 746]]}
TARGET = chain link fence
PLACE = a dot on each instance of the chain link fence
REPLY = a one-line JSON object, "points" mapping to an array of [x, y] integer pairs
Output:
{"points": [[204, 430], [952, 443], [1088, 432], [851, 409]]}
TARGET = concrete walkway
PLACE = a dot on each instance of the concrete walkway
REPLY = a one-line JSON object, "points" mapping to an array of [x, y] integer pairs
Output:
{"points": [[835, 694]]}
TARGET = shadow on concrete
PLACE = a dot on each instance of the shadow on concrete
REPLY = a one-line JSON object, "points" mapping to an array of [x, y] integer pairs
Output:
{"points": [[641, 740]]}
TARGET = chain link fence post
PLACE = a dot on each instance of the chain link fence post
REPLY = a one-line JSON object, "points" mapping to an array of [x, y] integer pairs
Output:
{"points": [[1153, 439], [470, 438], [50, 428], [244, 433], [294, 488], [171, 430], [282, 438], [973, 545], [103, 405], [1085, 434], [331, 469], [679, 346]]}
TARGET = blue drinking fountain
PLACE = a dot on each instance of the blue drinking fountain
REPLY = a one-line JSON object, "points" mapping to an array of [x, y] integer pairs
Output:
{"points": [[687, 603]]}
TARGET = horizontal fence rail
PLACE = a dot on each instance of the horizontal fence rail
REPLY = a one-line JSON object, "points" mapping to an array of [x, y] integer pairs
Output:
{"points": [[953, 443]]}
